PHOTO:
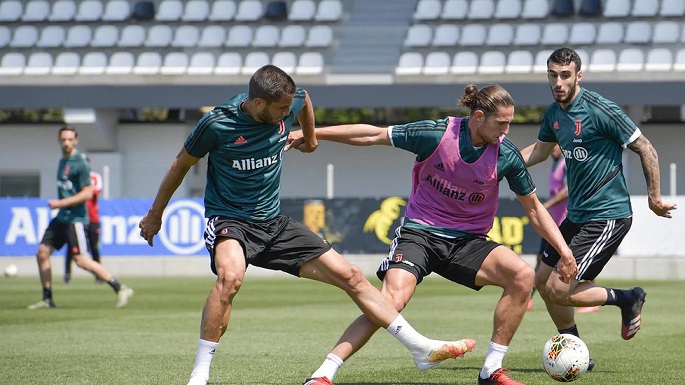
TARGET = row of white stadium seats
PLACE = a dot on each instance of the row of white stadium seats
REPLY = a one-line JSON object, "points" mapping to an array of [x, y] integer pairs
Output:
{"points": [[538, 9], [501, 34], [152, 63], [523, 62], [168, 10], [162, 35]]}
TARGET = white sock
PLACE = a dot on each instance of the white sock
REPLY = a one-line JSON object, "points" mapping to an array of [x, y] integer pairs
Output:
{"points": [[493, 360], [407, 335], [203, 358], [329, 367]]}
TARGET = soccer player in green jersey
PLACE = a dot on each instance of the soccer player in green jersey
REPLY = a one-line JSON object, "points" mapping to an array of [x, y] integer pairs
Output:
{"points": [[245, 140], [592, 132], [74, 189]]}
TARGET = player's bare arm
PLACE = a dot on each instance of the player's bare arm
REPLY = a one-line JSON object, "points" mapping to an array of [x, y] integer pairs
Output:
{"points": [[650, 167], [85, 194], [537, 152], [355, 134], [152, 221], [307, 122], [557, 198], [547, 228]]}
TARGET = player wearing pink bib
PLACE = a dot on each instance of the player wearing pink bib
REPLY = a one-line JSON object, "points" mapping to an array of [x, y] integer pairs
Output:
{"points": [[451, 208]]}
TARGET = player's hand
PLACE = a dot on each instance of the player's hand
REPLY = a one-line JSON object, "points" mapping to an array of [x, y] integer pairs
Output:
{"points": [[150, 226], [296, 141], [54, 204], [567, 268], [661, 208]]}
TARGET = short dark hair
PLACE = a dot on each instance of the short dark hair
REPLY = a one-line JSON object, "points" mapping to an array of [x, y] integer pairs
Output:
{"points": [[67, 128], [564, 56], [489, 99], [271, 84]]}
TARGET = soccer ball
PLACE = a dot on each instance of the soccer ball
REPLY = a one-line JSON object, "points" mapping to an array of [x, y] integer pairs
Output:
{"points": [[565, 357], [11, 271]]}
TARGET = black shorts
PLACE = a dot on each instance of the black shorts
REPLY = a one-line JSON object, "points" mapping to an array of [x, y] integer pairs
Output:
{"points": [[592, 243], [73, 234], [421, 252], [278, 244]]}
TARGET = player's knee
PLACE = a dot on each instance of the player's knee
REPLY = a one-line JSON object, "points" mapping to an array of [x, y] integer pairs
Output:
{"points": [[559, 295], [43, 252], [354, 278], [228, 283], [524, 278]]}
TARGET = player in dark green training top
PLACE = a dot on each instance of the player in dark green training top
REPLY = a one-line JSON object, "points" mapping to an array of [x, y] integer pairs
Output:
{"points": [[592, 132], [245, 139], [73, 190]]}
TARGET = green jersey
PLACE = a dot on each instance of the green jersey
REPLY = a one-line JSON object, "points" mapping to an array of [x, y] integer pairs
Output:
{"points": [[73, 174], [592, 133], [423, 137], [245, 160]]}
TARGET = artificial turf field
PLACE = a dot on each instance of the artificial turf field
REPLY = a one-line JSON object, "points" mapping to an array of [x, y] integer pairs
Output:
{"points": [[282, 328]]}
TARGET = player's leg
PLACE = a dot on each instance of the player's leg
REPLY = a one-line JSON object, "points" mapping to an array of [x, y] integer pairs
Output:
{"points": [[93, 234], [68, 259], [503, 268], [53, 238]]}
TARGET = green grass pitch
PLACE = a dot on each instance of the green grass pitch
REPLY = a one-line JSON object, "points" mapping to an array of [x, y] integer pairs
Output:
{"points": [[282, 328]]}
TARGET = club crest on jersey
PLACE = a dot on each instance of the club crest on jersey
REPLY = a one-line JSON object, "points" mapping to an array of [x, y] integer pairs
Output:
{"points": [[281, 127], [579, 126], [556, 125]]}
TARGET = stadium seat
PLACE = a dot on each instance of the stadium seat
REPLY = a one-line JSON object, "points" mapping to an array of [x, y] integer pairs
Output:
{"points": [[582, 33], [11, 10], [464, 63], [287, 61], [276, 11], [410, 63], [519, 62], [555, 34], [148, 63], [229, 63], [89, 10], [492, 63], [51, 36], [329, 10], [239, 36], [617, 8], [169, 10], [535, 9], [500, 34], [446, 35], [12, 63], [201, 63], [319, 36], [105, 36], [302, 10], [540, 63], [602, 60], [508, 9], [645, 8], [563, 8], [117, 10], [93, 63], [666, 32], [527, 34], [630, 60], [672, 8], [481, 10], [196, 10], [610, 33], [427, 10], [584, 57], [638, 32], [159, 36], [66, 63], [213, 36], [175, 63], [5, 36], [310, 63], [292, 36], [659, 60], [24, 36], [249, 10], [39, 63], [454, 10], [132, 36], [36, 10], [223, 10], [78, 36], [437, 63], [473, 35], [186, 36], [418, 35], [120, 63], [254, 60], [590, 8], [266, 36], [63, 10], [679, 62], [143, 10]]}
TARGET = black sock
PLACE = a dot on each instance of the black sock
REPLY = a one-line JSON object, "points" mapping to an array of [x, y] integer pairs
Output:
{"points": [[47, 294], [532, 292], [115, 284], [572, 330], [618, 297]]}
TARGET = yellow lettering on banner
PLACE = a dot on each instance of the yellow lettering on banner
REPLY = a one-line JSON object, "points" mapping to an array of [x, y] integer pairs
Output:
{"points": [[314, 215], [380, 221], [508, 231]]}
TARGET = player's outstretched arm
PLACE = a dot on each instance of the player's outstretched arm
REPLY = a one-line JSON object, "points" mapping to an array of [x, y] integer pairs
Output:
{"points": [[537, 152], [152, 221], [650, 167], [355, 134]]}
